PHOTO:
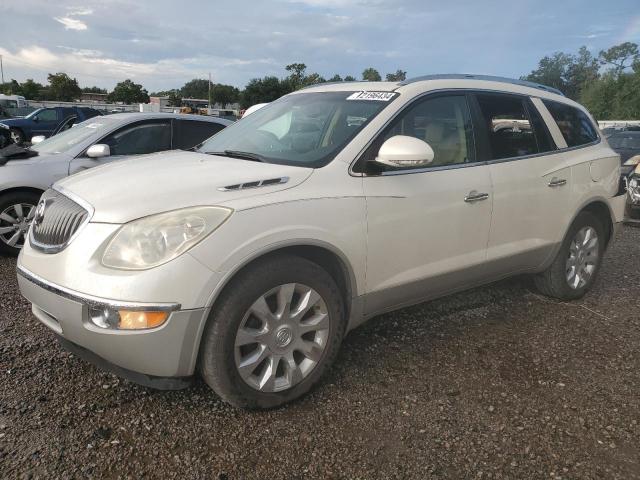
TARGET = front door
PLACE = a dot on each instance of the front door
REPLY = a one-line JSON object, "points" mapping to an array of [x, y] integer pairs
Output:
{"points": [[139, 138], [45, 122], [427, 228]]}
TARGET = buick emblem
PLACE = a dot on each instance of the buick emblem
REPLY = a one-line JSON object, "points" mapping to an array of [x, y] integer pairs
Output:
{"points": [[283, 337], [39, 216]]}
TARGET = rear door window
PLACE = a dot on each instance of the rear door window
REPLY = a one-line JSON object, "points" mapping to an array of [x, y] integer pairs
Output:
{"points": [[509, 128], [189, 133], [575, 125]]}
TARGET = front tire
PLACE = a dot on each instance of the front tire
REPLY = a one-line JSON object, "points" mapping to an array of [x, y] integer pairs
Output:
{"points": [[576, 266], [17, 210], [274, 331]]}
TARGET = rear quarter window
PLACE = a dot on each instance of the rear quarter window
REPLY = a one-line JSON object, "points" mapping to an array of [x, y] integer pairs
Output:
{"points": [[575, 125]]}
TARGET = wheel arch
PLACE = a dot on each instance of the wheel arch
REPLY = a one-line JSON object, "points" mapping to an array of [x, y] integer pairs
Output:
{"points": [[326, 256], [37, 191], [600, 209]]}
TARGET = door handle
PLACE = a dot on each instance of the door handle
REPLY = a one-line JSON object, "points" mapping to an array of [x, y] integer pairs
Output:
{"points": [[474, 196], [557, 182]]}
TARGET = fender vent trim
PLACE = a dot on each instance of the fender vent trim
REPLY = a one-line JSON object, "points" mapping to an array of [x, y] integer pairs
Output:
{"points": [[254, 184]]}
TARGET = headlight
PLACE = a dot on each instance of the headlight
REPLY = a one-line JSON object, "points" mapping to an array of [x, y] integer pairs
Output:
{"points": [[157, 239]]}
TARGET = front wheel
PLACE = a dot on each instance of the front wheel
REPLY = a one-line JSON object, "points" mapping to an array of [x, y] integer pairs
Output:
{"points": [[275, 330], [17, 210], [578, 261], [17, 136]]}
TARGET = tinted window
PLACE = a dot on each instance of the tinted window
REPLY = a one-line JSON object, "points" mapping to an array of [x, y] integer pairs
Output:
{"points": [[189, 133], [443, 122], [575, 125], [140, 138], [47, 115], [508, 126]]}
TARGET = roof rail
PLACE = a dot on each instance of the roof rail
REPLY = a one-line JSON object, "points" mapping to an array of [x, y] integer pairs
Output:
{"points": [[464, 76]]}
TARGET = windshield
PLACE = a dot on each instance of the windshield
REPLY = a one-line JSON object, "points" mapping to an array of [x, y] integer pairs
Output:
{"points": [[67, 139], [306, 129], [35, 112]]}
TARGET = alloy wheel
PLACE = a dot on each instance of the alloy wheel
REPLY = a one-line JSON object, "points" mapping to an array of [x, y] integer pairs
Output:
{"points": [[14, 223], [282, 337], [582, 260]]}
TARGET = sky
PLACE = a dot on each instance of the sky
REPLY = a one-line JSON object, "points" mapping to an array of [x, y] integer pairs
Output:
{"points": [[163, 44]]}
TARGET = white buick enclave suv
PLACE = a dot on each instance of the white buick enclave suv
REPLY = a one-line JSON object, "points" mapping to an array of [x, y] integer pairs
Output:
{"points": [[248, 259]]}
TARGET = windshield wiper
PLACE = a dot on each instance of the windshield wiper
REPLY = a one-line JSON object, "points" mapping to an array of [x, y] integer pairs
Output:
{"points": [[238, 154]]}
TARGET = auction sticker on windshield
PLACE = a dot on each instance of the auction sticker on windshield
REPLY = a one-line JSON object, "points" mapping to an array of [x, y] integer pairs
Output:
{"points": [[376, 96]]}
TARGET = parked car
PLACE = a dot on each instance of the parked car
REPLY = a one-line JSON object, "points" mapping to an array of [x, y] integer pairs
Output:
{"points": [[94, 142], [248, 259], [44, 120], [627, 144], [632, 214], [66, 124]]}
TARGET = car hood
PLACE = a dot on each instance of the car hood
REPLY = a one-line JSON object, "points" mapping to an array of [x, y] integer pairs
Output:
{"points": [[14, 122], [125, 190]]}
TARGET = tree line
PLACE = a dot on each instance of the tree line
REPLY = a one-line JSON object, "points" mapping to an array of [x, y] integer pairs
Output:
{"points": [[62, 88], [607, 84]]}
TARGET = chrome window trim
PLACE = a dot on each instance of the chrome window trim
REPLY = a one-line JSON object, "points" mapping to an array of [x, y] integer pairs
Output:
{"points": [[48, 249], [461, 165], [91, 300]]}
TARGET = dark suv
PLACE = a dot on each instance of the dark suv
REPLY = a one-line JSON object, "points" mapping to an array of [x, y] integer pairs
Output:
{"points": [[44, 120]]}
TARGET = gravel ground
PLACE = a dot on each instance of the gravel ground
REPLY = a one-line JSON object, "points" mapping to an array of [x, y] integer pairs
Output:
{"points": [[497, 382]]}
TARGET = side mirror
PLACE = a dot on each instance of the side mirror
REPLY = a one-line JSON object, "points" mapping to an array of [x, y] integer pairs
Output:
{"points": [[404, 151], [37, 139], [98, 150]]}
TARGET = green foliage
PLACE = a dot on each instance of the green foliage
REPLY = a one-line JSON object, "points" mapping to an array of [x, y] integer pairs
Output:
{"points": [[196, 88], [63, 88], [399, 76], [335, 78], [263, 90], [350, 78], [94, 90], [371, 75], [612, 95], [224, 94], [620, 56], [129, 92]]}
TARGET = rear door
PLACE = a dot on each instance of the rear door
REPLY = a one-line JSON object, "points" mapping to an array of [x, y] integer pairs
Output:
{"points": [[531, 182], [188, 133], [427, 228]]}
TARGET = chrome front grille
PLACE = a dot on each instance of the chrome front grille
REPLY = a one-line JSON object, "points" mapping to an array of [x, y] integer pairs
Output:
{"points": [[56, 221]]}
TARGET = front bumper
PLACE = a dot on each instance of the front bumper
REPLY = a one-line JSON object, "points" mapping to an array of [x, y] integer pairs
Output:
{"points": [[162, 357]]}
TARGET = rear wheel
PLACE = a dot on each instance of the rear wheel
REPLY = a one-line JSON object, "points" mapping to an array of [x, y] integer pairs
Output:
{"points": [[577, 264], [17, 210], [274, 331]]}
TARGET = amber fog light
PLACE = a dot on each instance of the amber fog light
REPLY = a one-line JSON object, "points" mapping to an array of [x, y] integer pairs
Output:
{"points": [[136, 320]]}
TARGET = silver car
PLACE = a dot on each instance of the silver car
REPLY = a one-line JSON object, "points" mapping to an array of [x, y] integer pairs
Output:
{"points": [[91, 143]]}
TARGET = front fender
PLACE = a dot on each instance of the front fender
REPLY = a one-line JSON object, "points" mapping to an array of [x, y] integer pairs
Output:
{"points": [[335, 224]]}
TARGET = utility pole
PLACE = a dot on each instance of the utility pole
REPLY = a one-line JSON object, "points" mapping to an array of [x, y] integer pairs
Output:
{"points": [[210, 106], [1, 69]]}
